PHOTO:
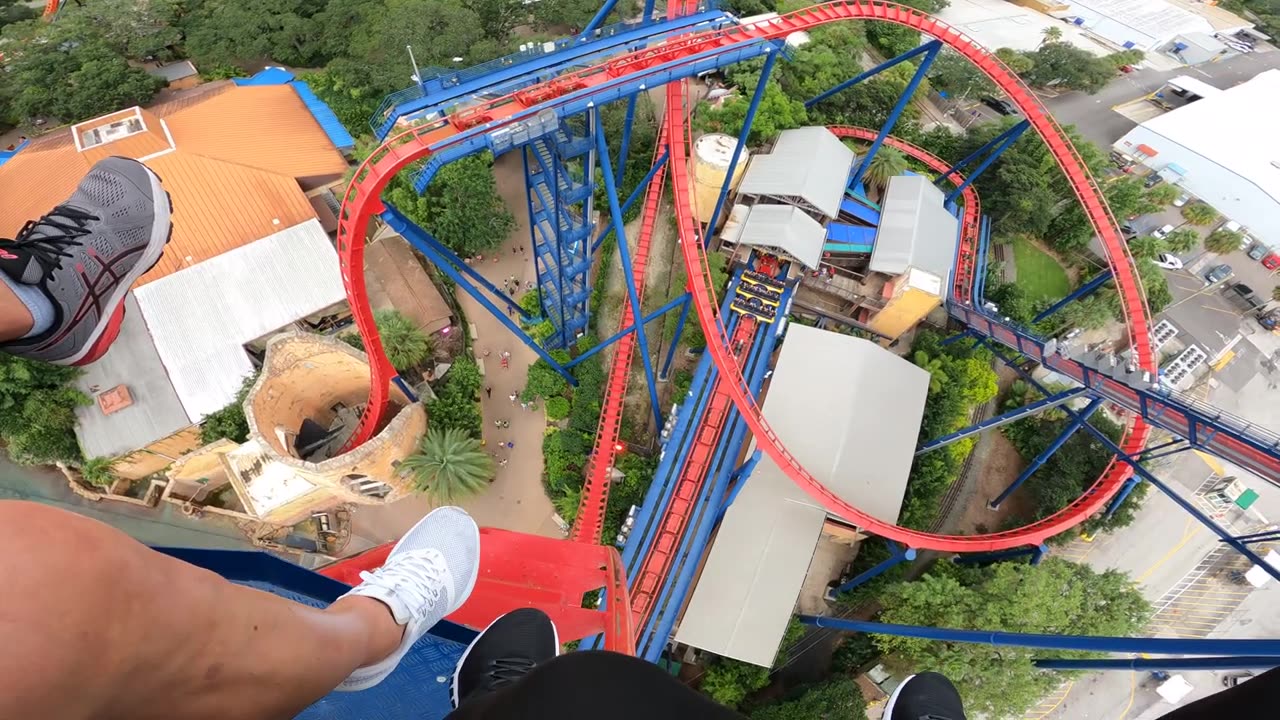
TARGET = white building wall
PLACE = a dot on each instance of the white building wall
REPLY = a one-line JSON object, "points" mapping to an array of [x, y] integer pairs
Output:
{"points": [[1230, 194]]}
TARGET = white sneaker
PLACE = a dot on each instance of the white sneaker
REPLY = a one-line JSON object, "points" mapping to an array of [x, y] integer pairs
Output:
{"points": [[428, 575]]}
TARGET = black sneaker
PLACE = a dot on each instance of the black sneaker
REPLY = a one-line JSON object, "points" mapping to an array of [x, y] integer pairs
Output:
{"points": [[925, 696], [506, 651], [85, 254]]}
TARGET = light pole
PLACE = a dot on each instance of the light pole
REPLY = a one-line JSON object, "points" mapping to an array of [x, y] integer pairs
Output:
{"points": [[413, 61]]}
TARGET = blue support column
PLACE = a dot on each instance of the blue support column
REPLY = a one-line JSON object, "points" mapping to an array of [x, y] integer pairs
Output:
{"points": [[533, 230], [624, 252], [1166, 453], [423, 241], [930, 53], [739, 480], [1265, 536], [980, 265], [898, 557], [1048, 452], [863, 76], [682, 300], [997, 146], [599, 18], [1141, 663], [1121, 496], [1086, 289], [1007, 417], [675, 341], [1087, 643], [631, 200], [624, 149], [957, 337], [769, 60], [1039, 554]]}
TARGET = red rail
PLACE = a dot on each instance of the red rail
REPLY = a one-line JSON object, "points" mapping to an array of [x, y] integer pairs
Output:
{"points": [[595, 493], [362, 201], [675, 520], [51, 8]]}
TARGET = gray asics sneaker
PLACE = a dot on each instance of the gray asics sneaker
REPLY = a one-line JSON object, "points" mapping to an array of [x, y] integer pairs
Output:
{"points": [[428, 575], [85, 254]]}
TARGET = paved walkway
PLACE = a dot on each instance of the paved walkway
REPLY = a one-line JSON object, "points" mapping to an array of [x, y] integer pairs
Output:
{"points": [[516, 500]]}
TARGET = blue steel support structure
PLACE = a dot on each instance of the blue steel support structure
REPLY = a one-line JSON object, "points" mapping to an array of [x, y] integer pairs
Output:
{"points": [[930, 53], [425, 244], [769, 61], [598, 20], [1142, 472], [739, 479], [994, 422], [624, 253], [1265, 536], [1048, 452], [898, 556], [681, 301], [675, 341], [1140, 663], [996, 148], [1086, 289], [868, 74], [631, 200]]}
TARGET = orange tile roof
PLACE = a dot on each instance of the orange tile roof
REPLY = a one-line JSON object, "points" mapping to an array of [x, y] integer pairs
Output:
{"points": [[238, 154]]}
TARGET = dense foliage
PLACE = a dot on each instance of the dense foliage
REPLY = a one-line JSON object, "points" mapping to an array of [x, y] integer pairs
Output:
{"points": [[37, 411], [835, 699], [229, 422], [1055, 597], [457, 403]]}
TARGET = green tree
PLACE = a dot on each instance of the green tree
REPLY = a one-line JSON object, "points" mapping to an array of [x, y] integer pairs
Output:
{"points": [[1051, 34], [777, 113], [230, 422], [836, 698], [542, 381], [1155, 284], [1222, 241], [1063, 65], [461, 206], [499, 17], [1181, 240], [99, 471], [449, 466], [405, 344], [729, 681], [351, 90], [37, 411], [457, 403], [557, 408], [13, 11], [1090, 313], [1198, 213], [887, 163], [935, 366], [1146, 247], [438, 31], [136, 30], [953, 74], [232, 32], [1020, 63], [1055, 597], [1163, 194]]}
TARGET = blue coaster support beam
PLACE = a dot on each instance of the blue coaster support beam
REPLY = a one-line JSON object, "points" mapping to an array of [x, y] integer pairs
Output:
{"points": [[739, 480], [1121, 496], [1145, 474], [769, 60], [1265, 536], [599, 18], [426, 244], [1083, 291], [1088, 643], [930, 51], [868, 74], [631, 200], [995, 147], [624, 149], [675, 340], [898, 555], [1048, 452], [1141, 663], [1004, 418], [624, 252], [681, 301]]}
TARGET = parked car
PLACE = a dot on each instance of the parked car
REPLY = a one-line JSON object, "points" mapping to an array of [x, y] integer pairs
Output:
{"points": [[1258, 251], [1152, 180], [1160, 233], [1235, 679], [1000, 105], [1128, 231], [1183, 199], [1242, 296], [1271, 261], [1168, 262], [1217, 274], [1232, 226]]}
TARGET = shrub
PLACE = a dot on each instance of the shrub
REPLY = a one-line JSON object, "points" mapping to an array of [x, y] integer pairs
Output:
{"points": [[557, 408]]}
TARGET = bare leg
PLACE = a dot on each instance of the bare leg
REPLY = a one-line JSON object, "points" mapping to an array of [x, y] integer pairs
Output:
{"points": [[96, 625], [15, 319]]}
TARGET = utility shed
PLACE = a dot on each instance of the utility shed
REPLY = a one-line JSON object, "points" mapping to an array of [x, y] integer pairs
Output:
{"points": [[784, 230], [808, 166], [915, 230], [856, 435]]}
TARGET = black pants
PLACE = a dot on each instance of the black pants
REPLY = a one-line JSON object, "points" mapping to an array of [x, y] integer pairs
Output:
{"points": [[597, 684]]}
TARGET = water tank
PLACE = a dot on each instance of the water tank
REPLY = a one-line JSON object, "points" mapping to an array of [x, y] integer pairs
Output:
{"points": [[712, 153]]}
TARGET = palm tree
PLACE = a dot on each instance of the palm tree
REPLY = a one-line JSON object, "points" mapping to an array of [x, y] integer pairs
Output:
{"points": [[99, 471], [887, 163], [1051, 34], [1181, 240], [566, 504], [404, 343], [933, 366], [1162, 195], [1222, 241], [1199, 214], [449, 465]]}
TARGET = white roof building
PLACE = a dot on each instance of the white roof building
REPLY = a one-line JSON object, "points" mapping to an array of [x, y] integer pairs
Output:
{"points": [[857, 436], [915, 230], [781, 229], [808, 166], [1224, 150], [1141, 24]]}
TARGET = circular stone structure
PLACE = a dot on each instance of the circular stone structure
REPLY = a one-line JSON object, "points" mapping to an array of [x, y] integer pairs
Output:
{"points": [[712, 154]]}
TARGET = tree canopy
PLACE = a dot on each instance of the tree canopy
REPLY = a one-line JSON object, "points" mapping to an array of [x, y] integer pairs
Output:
{"points": [[449, 465], [37, 411]]}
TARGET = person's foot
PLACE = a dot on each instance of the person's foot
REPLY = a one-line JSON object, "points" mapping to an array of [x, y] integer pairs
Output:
{"points": [[506, 651], [85, 254], [428, 575], [925, 695]]}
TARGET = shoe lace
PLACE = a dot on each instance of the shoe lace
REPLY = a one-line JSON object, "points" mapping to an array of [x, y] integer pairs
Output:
{"points": [[505, 671], [417, 579], [63, 227]]}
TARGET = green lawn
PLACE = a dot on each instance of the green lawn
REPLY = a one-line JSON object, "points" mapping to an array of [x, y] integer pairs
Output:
{"points": [[1039, 275]]}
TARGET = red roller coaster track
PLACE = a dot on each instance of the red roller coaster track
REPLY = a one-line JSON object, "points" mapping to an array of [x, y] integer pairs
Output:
{"points": [[362, 201]]}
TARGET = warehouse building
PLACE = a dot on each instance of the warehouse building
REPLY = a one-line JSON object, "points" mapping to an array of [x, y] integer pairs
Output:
{"points": [[1191, 32]]}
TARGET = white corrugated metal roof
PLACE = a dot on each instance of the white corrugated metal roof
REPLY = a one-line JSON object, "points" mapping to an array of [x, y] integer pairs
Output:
{"points": [[201, 317], [915, 229], [856, 435], [1194, 86], [786, 228], [809, 163], [1157, 20], [1234, 129]]}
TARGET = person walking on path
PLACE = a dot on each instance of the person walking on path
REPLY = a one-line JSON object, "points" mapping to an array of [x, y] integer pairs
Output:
{"points": [[488, 391]]}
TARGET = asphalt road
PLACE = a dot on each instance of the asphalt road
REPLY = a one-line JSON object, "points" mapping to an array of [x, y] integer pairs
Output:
{"points": [[1092, 114]]}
